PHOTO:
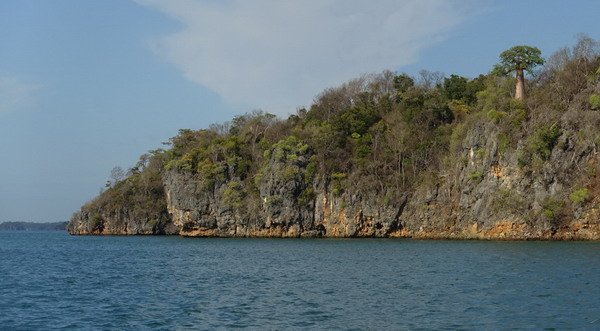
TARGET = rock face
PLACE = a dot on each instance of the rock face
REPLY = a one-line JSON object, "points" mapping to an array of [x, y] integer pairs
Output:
{"points": [[135, 206], [490, 194], [487, 190], [121, 223], [280, 215], [291, 204], [487, 193]]}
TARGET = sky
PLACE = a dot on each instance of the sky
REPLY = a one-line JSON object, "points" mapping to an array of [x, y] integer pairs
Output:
{"points": [[88, 85]]}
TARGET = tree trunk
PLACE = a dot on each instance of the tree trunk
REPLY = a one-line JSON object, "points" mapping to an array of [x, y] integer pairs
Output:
{"points": [[520, 90]]}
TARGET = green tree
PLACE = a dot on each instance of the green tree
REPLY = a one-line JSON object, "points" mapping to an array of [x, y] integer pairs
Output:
{"points": [[519, 59], [473, 87], [455, 87], [402, 83]]}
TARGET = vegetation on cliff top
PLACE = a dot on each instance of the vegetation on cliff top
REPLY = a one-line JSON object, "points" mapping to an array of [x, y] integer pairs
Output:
{"points": [[379, 134]]}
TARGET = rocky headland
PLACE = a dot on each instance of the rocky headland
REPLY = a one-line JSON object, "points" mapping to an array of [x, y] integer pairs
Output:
{"points": [[384, 155]]}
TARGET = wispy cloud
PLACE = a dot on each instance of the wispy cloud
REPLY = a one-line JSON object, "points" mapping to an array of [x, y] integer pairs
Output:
{"points": [[15, 93], [276, 55]]}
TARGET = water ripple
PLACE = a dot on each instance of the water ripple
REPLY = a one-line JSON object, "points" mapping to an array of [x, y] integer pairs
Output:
{"points": [[54, 281]]}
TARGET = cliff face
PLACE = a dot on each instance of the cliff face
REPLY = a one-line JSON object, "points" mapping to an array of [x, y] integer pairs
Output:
{"points": [[123, 222], [290, 204], [487, 195], [491, 194], [485, 191], [134, 206]]}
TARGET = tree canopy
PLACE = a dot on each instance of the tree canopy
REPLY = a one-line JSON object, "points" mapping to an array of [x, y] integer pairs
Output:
{"points": [[519, 58]]}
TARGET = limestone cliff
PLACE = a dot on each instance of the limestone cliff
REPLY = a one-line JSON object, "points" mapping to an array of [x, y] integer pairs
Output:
{"points": [[291, 204], [487, 194], [122, 222], [491, 194], [134, 206]]}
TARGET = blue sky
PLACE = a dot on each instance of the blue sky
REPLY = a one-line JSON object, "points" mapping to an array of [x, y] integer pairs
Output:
{"points": [[88, 85]]}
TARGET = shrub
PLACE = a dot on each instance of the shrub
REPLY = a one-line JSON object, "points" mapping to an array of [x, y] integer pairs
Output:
{"points": [[580, 196], [551, 209], [311, 170], [496, 115], [523, 159], [96, 222], [210, 173], [279, 154], [480, 153], [336, 182], [517, 116], [543, 140], [459, 132], [233, 193], [476, 176], [288, 149], [548, 213], [258, 177], [595, 101], [503, 143], [306, 196], [459, 109], [289, 173]]}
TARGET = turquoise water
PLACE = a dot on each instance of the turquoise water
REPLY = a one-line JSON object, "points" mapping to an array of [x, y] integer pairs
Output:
{"points": [[54, 281]]}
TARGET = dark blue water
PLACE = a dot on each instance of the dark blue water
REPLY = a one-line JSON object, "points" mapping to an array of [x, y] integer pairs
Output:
{"points": [[52, 280]]}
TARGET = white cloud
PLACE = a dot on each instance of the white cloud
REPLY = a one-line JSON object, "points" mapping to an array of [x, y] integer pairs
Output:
{"points": [[15, 94], [277, 55]]}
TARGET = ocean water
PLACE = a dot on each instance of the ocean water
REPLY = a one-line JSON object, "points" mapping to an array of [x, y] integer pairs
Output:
{"points": [[50, 280]]}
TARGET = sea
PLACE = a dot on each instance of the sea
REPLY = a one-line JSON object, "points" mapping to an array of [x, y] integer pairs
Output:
{"points": [[53, 281]]}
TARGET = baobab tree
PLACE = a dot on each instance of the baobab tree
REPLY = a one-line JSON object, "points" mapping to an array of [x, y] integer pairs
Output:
{"points": [[519, 59]]}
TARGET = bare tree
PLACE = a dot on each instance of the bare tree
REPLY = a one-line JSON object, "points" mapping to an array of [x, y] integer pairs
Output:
{"points": [[586, 48], [117, 174], [430, 79]]}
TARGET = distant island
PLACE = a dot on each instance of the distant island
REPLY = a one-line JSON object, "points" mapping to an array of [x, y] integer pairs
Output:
{"points": [[32, 226], [504, 155]]}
